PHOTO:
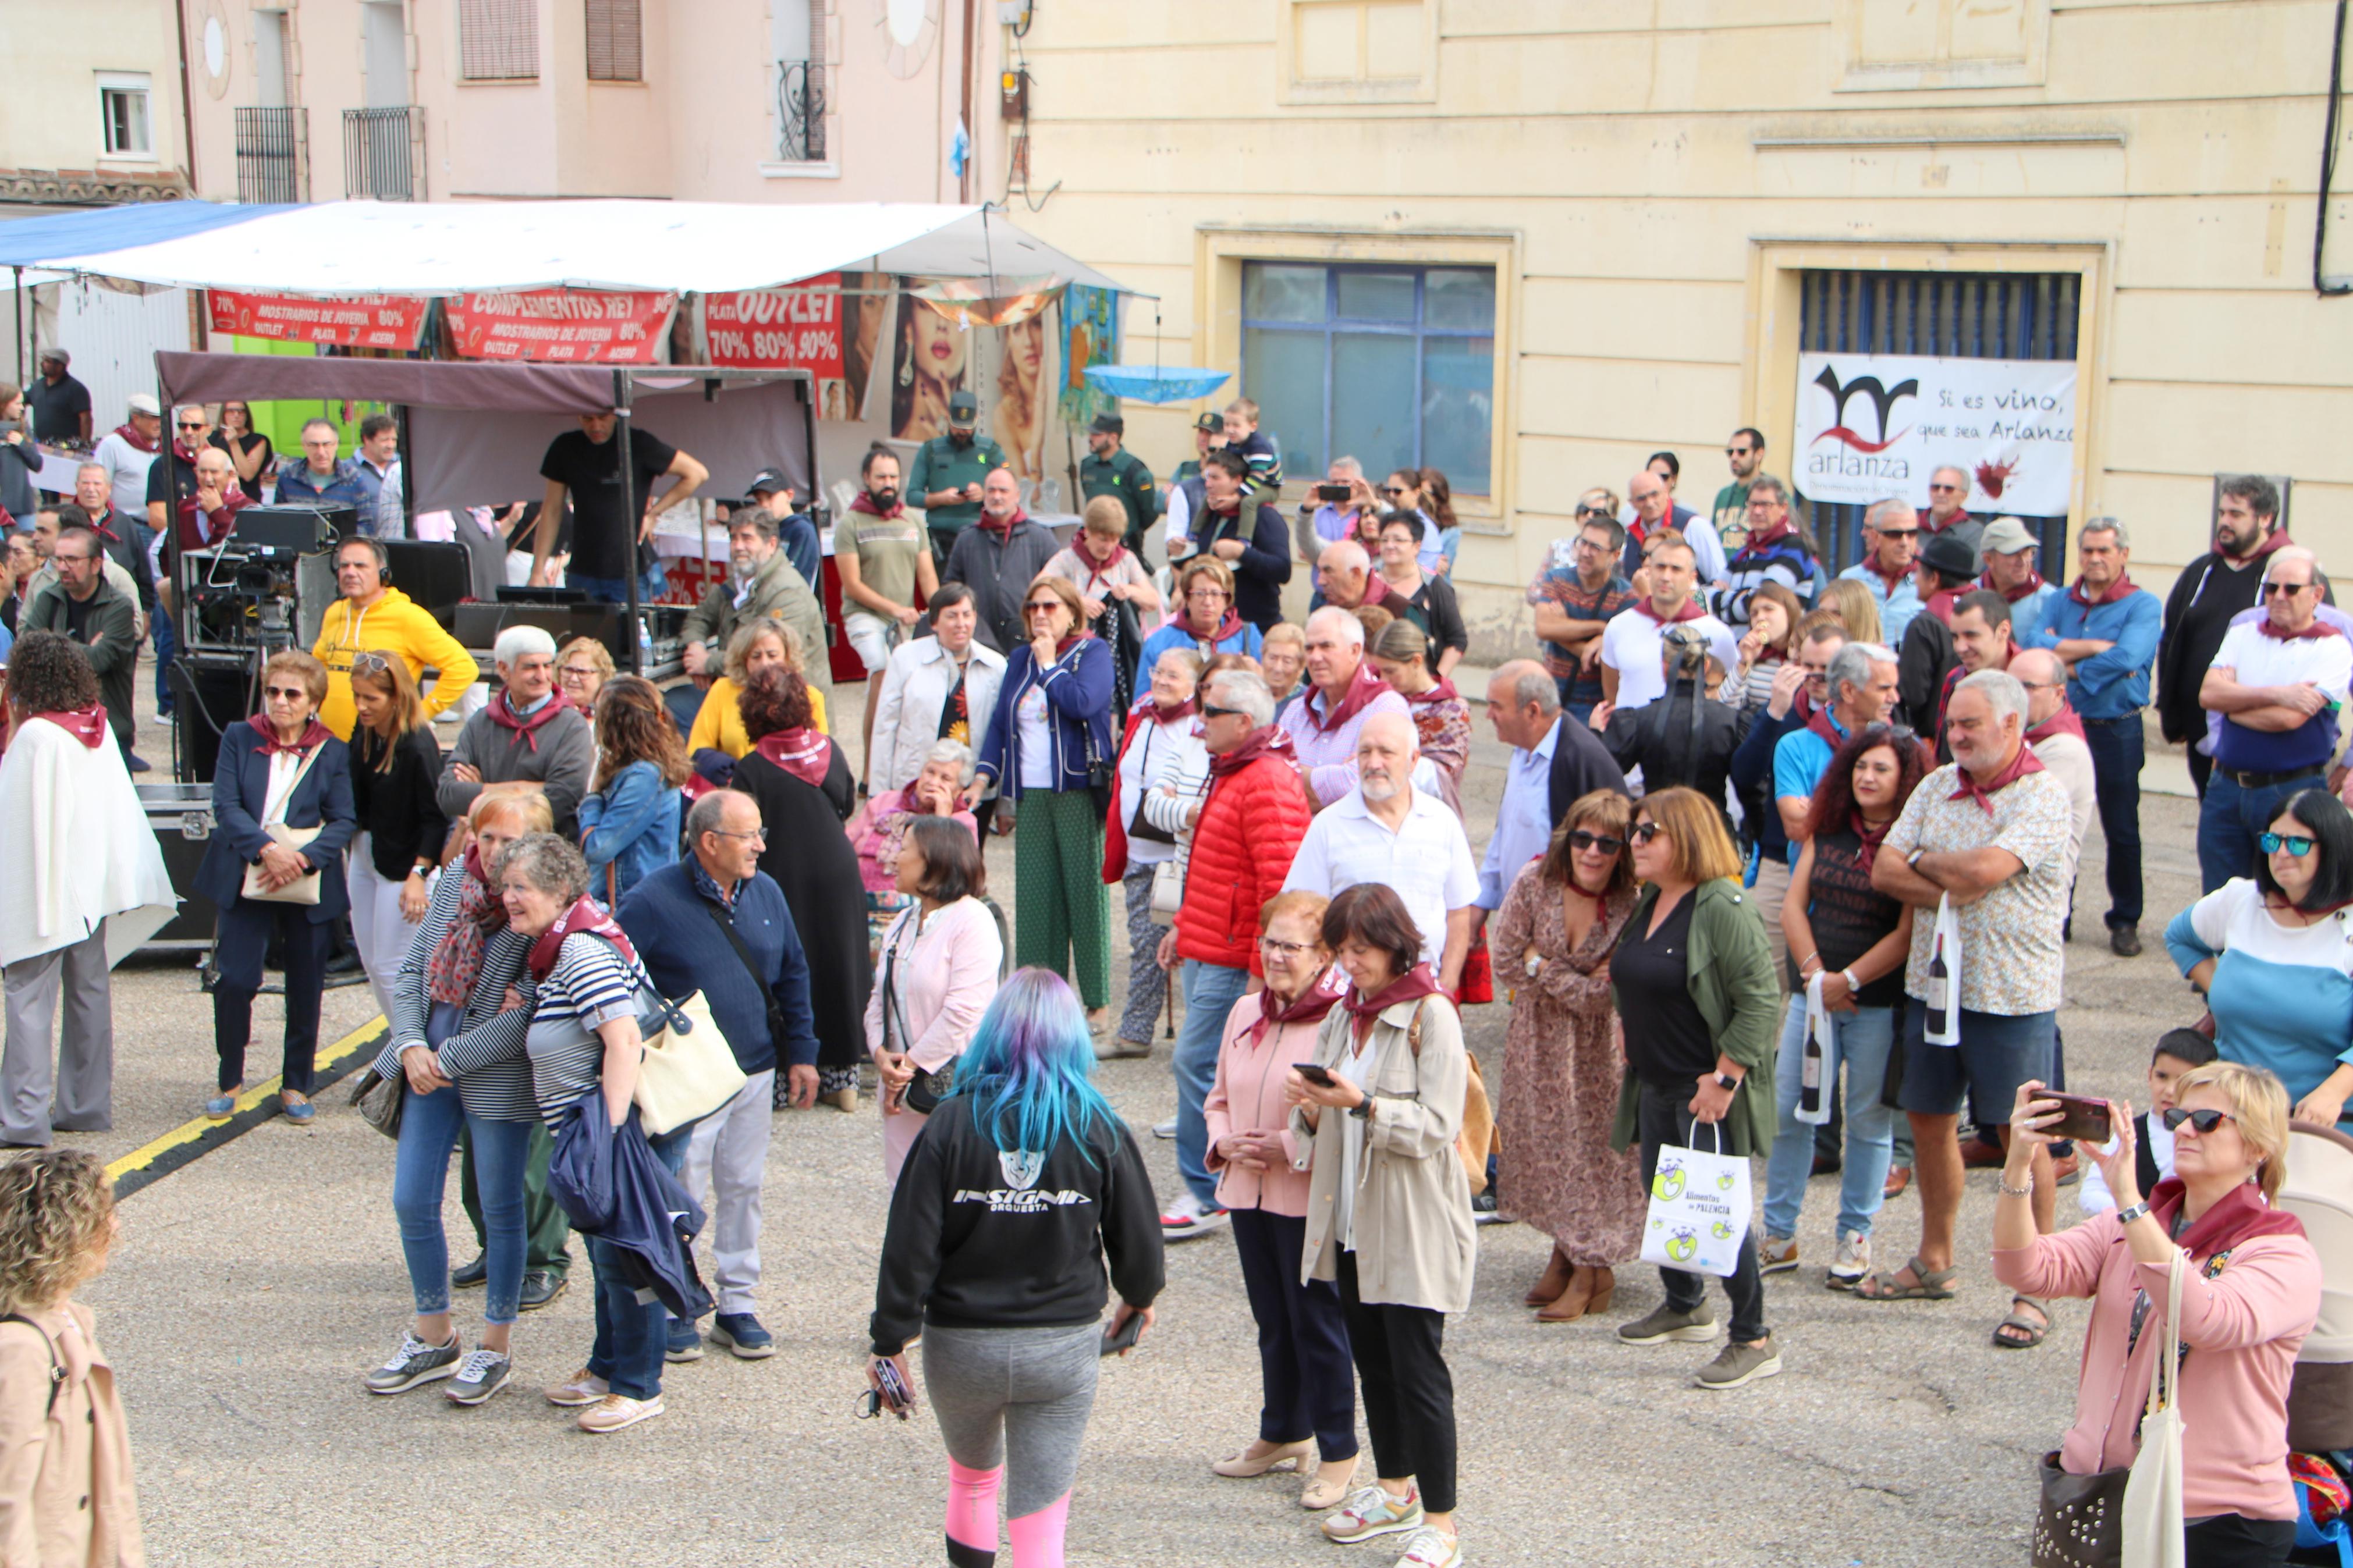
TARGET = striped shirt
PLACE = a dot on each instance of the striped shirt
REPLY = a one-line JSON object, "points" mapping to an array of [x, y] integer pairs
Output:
{"points": [[486, 1056], [590, 986]]}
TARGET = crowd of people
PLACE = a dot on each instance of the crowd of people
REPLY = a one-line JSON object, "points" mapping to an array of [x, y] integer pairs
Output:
{"points": [[1758, 824]]}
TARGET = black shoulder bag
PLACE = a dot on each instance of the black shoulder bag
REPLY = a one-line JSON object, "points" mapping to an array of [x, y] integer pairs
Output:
{"points": [[752, 967], [926, 1089], [57, 1367]]}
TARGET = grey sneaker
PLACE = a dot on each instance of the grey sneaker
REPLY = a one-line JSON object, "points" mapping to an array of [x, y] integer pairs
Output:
{"points": [[1739, 1363], [1665, 1323], [1165, 1129], [482, 1374], [416, 1362]]}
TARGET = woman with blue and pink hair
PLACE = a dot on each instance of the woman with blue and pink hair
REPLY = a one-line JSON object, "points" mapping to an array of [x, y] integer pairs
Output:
{"points": [[1020, 1189]]}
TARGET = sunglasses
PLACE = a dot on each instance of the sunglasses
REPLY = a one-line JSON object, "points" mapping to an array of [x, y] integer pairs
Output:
{"points": [[1735, 451], [1899, 533], [2204, 1121], [2295, 844], [1393, 490], [1594, 511], [286, 693], [1643, 832], [1042, 606], [2270, 588], [184, 425], [1581, 840], [371, 664], [1943, 490]]}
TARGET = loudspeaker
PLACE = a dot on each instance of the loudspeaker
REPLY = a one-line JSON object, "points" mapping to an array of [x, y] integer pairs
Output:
{"points": [[437, 573], [208, 697]]}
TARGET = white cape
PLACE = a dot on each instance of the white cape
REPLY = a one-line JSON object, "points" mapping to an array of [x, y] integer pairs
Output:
{"points": [[80, 849]]}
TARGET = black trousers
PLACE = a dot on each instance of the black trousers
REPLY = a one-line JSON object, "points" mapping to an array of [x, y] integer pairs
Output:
{"points": [[2201, 768], [1302, 1338], [244, 930], [1401, 1354], [2234, 1541], [1664, 1117]]}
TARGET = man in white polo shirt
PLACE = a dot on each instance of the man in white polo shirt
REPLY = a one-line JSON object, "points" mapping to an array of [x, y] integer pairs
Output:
{"points": [[2279, 683], [1634, 642], [1384, 830]]}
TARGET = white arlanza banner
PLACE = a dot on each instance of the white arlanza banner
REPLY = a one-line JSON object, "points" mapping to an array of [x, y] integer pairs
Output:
{"points": [[1873, 426]]}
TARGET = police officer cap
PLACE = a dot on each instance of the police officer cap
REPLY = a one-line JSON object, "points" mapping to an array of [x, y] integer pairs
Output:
{"points": [[1109, 424], [963, 409]]}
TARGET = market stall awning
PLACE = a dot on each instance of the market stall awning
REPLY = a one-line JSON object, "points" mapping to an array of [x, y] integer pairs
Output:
{"points": [[30, 242], [482, 248]]}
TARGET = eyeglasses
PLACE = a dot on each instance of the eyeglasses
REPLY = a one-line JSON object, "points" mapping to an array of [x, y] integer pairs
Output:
{"points": [[1043, 605], [2204, 1121], [1581, 840], [2270, 588], [2042, 685], [1201, 595], [1211, 711], [1943, 490], [757, 834], [1643, 832], [2295, 844], [286, 693], [1271, 947]]}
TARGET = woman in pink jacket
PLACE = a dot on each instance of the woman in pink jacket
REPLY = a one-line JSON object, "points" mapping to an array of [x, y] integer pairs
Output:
{"points": [[1309, 1406], [941, 959], [2252, 1295]]}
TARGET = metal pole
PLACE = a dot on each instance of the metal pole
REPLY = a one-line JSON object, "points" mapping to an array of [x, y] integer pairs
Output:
{"points": [[629, 511], [20, 330]]}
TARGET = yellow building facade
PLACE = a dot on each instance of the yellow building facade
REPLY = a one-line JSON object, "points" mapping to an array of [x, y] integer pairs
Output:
{"points": [[1673, 197]]}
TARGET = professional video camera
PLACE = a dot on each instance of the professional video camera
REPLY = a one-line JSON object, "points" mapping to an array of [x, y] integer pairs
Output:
{"points": [[246, 594]]}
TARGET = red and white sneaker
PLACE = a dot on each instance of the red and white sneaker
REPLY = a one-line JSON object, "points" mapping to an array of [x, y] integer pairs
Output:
{"points": [[1188, 1217]]}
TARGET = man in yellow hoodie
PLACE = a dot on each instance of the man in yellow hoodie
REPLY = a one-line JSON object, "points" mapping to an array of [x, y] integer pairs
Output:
{"points": [[374, 615]]}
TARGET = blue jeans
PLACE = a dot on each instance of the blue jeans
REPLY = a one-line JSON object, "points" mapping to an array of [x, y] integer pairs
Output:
{"points": [[1210, 991], [166, 646], [2118, 748], [615, 590], [632, 1334], [420, 1174], [2231, 818], [1864, 1038]]}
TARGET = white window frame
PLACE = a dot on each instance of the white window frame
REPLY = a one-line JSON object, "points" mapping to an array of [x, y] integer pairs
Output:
{"points": [[111, 83]]}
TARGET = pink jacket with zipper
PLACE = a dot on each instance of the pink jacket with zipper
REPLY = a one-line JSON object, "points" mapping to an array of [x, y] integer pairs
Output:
{"points": [[1247, 1096], [2242, 1322]]}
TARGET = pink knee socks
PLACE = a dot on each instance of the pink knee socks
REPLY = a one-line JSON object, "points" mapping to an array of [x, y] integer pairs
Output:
{"points": [[1038, 1537], [972, 1514]]}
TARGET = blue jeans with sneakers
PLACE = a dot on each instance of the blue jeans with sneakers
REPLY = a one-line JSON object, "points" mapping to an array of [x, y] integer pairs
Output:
{"points": [[1864, 1038], [632, 1334], [1211, 992], [420, 1174]]}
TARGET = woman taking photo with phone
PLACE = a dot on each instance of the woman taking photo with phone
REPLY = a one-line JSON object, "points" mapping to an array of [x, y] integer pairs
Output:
{"points": [[940, 962], [1374, 1118], [2250, 1294], [1309, 1405], [1008, 1294], [1694, 987], [1563, 1056]]}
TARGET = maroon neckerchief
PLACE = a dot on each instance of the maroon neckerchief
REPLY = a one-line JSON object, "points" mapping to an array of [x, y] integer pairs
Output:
{"points": [[1410, 987], [1150, 707], [2019, 766], [1308, 1008], [1097, 569], [313, 733], [804, 753], [864, 503], [585, 915], [2313, 633], [2034, 581], [146, 443], [457, 959], [1266, 741], [2066, 721], [98, 524], [2118, 589], [1928, 523], [210, 525], [1443, 691], [501, 712], [1894, 580], [2237, 1216], [1819, 721], [1765, 538], [1940, 603], [1691, 611], [1230, 625], [1003, 531], [1362, 691], [87, 725], [1872, 838], [1062, 648]]}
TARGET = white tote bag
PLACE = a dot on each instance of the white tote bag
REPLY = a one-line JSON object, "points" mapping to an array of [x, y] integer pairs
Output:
{"points": [[1699, 1209], [689, 1071], [2152, 1514], [1818, 1025], [1944, 990]]}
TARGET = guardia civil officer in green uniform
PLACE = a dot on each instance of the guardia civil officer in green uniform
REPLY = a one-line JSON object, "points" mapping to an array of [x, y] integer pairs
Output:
{"points": [[1111, 469], [1208, 430], [947, 478]]}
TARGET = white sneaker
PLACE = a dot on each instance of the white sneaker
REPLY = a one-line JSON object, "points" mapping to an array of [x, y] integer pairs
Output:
{"points": [[1430, 1547], [1188, 1216], [1165, 1129], [1853, 1262]]}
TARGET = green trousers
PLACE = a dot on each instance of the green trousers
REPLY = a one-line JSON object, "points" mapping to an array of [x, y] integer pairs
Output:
{"points": [[546, 1229], [1060, 905]]}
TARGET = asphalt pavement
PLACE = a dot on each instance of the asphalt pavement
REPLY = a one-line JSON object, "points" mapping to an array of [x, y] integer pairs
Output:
{"points": [[252, 1289]]}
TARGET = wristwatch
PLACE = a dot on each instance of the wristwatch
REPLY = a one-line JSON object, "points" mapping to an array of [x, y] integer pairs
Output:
{"points": [[1362, 1110], [1725, 1081], [2126, 1216], [1913, 860]]}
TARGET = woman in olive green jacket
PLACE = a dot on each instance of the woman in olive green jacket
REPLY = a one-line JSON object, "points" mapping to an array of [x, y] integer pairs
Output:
{"points": [[1693, 981]]}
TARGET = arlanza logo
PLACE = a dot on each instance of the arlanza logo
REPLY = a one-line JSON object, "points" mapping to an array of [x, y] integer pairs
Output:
{"points": [[1883, 400]]}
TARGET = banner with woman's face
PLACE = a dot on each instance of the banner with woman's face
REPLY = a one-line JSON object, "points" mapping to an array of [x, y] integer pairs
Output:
{"points": [[929, 361]]}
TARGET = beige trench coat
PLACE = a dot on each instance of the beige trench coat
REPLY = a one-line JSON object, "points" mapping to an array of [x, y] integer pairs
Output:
{"points": [[65, 1498], [1416, 1241]]}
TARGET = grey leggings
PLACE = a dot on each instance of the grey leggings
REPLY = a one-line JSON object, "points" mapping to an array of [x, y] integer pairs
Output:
{"points": [[1016, 1397]]}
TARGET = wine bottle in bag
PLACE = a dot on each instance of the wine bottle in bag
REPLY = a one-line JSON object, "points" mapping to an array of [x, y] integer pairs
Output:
{"points": [[1817, 1060], [1943, 1000]]}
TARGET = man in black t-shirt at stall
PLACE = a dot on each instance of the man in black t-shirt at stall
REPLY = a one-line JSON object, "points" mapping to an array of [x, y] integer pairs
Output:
{"points": [[606, 547]]}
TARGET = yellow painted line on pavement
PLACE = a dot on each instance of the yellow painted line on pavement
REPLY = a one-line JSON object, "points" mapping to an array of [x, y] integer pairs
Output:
{"points": [[192, 1140]]}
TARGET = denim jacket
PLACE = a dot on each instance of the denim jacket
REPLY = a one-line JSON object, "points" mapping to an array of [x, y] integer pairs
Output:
{"points": [[630, 825]]}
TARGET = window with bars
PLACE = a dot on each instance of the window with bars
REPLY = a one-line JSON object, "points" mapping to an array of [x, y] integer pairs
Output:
{"points": [[616, 41], [498, 40]]}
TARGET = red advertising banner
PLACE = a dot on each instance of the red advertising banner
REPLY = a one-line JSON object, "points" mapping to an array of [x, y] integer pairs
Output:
{"points": [[796, 328], [355, 321], [561, 326]]}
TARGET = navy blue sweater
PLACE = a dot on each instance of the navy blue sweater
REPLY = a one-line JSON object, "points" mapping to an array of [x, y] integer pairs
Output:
{"points": [[1752, 777], [667, 919]]}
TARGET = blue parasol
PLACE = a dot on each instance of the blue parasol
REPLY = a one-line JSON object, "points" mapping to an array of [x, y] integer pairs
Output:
{"points": [[1156, 383]]}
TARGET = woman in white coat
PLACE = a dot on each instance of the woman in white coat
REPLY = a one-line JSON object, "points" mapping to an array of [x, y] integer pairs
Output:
{"points": [[939, 688]]}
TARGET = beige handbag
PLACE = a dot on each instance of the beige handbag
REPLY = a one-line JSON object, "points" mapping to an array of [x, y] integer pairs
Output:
{"points": [[301, 889], [1168, 891], [688, 1069]]}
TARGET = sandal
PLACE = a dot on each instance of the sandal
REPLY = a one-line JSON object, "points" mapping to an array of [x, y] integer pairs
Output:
{"points": [[2032, 1333], [1935, 1285]]}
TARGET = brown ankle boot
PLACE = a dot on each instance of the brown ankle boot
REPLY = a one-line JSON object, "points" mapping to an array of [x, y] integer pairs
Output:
{"points": [[1605, 1286], [1572, 1301], [1551, 1283]]}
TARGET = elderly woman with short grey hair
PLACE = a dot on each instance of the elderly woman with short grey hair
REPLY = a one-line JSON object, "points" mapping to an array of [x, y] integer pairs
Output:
{"points": [[594, 1007], [881, 824]]}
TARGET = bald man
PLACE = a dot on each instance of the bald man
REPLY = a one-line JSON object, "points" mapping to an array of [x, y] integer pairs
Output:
{"points": [[1346, 574], [1552, 764], [2056, 733], [1386, 830], [999, 557]]}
